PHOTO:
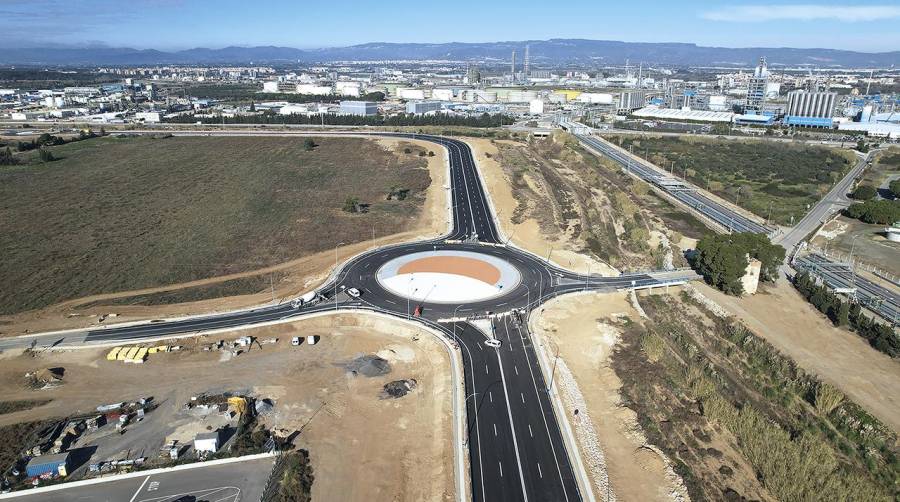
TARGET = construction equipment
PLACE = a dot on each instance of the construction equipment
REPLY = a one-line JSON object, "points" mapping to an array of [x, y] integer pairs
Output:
{"points": [[238, 404]]}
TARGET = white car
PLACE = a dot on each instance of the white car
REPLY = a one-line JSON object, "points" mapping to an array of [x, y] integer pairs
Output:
{"points": [[493, 342], [353, 292]]}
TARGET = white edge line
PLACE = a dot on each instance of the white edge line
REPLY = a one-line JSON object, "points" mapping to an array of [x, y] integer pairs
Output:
{"points": [[138, 492]]}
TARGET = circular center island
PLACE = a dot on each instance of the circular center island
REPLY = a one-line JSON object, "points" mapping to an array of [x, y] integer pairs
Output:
{"points": [[448, 276]]}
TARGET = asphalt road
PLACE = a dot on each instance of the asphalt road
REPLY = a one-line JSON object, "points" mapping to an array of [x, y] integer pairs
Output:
{"points": [[515, 446], [835, 200], [233, 482], [687, 194]]}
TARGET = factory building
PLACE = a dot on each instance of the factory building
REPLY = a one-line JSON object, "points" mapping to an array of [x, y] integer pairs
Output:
{"points": [[359, 108], [631, 100], [756, 88], [420, 107], [317, 90], [810, 109]]}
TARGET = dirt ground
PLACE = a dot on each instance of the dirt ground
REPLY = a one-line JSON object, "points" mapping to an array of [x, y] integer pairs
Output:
{"points": [[868, 243], [787, 321], [527, 234], [578, 327], [295, 277], [362, 447]]}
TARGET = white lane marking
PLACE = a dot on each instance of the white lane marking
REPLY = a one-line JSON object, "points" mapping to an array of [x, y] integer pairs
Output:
{"points": [[501, 469], [540, 473], [486, 371], [543, 416], [530, 432], [517, 369], [512, 429], [523, 397], [491, 396], [139, 489], [495, 429]]}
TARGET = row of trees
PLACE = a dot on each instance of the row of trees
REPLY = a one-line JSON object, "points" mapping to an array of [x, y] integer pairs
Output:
{"points": [[845, 313], [882, 212], [46, 139], [722, 259], [439, 119]]}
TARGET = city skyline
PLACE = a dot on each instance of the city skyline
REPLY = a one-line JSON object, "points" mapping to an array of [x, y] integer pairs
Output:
{"points": [[175, 24]]}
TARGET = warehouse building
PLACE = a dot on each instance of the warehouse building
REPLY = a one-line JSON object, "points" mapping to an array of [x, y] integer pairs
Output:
{"points": [[420, 107], [359, 108]]}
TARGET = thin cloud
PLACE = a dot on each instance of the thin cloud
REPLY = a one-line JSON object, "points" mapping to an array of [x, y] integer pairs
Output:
{"points": [[803, 12]]}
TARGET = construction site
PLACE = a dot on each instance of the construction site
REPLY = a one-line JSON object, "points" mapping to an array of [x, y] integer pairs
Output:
{"points": [[339, 387]]}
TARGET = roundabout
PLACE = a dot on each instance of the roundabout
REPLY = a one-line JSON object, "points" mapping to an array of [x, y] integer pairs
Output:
{"points": [[448, 276]]}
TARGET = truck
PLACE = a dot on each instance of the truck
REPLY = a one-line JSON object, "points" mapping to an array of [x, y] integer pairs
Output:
{"points": [[304, 299]]}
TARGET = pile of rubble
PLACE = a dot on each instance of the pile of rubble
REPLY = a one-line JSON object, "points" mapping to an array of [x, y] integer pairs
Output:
{"points": [[398, 388]]}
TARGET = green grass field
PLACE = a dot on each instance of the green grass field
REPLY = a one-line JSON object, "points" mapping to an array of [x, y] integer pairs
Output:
{"points": [[773, 180], [118, 214]]}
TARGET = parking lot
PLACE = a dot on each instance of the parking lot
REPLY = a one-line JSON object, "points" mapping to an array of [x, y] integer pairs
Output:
{"points": [[229, 482]]}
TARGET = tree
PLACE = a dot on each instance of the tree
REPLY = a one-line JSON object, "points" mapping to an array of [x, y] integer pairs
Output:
{"points": [[843, 314], [882, 212], [861, 146], [46, 155], [894, 187], [351, 204], [722, 259], [252, 106], [864, 192], [7, 158], [309, 144]]}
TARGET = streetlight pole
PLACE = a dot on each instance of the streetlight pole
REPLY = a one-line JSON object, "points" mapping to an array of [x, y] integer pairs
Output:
{"points": [[336, 274]]}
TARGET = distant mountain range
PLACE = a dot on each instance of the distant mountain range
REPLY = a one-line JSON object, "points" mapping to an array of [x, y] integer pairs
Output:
{"points": [[555, 51]]}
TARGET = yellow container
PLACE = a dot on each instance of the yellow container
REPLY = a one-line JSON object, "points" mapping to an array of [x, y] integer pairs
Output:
{"points": [[141, 355], [132, 351], [152, 350], [113, 354], [123, 353]]}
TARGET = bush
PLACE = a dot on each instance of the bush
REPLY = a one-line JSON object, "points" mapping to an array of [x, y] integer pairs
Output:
{"points": [[46, 155], [864, 192], [309, 144]]}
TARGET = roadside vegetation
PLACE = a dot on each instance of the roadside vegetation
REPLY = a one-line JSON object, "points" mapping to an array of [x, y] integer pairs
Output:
{"points": [[592, 202], [722, 259], [842, 312], [740, 421], [881, 212], [118, 214], [774, 180], [19, 405]]}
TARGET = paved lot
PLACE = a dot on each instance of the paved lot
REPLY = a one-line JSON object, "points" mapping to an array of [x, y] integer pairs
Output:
{"points": [[240, 481]]}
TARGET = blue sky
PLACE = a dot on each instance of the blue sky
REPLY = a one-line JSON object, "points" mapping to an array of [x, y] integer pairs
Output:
{"points": [[178, 24]]}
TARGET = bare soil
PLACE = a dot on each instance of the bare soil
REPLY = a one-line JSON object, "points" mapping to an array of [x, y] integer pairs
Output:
{"points": [[583, 329], [783, 318], [363, 447]]}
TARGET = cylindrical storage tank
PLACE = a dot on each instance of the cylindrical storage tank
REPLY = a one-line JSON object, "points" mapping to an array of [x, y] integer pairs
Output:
{"points": [[484, 97], [442, 94]]}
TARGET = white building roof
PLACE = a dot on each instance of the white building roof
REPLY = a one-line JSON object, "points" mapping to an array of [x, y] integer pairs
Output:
{"points": [[673, 114]]}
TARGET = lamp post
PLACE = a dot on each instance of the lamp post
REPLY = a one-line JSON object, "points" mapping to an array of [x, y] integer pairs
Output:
{"points": [[336, 274]]}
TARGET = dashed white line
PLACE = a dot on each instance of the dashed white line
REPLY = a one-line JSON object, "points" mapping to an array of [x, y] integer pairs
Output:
{"points": [[491, 396], [516, 368], [530, 432], [523, 397], [495, 429], [540, 473]]}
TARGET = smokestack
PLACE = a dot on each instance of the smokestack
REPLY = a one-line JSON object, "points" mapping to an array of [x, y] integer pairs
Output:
{"points": [[512, 72], [525, 67]]}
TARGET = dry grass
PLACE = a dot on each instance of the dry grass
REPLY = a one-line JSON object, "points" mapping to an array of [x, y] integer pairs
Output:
{"points": [[118, 214]]}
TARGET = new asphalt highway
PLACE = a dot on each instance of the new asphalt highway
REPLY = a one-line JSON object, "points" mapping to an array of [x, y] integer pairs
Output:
{"points": [[516, 448], [685, 193]]}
